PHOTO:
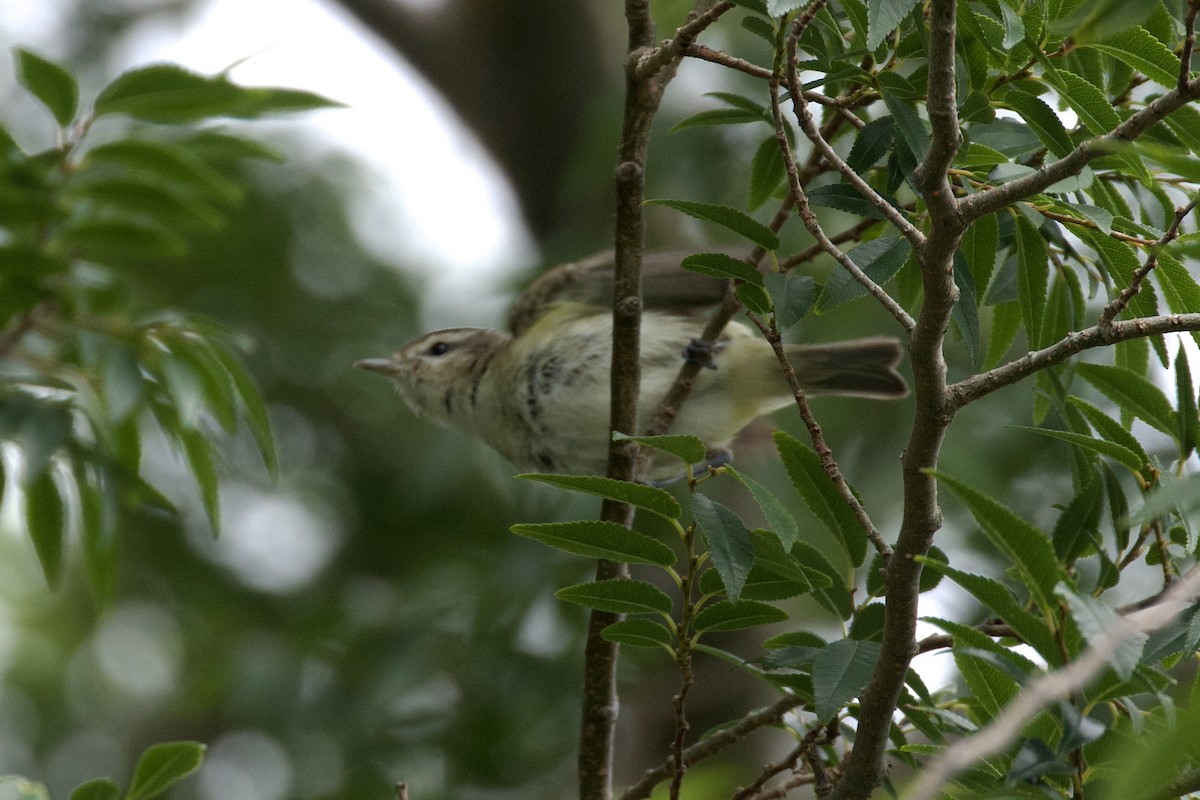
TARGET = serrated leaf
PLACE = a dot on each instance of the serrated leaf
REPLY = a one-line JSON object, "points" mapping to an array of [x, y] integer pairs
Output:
{"points": [[1033, 275], [1179, 288], [1077, 532], [767, 172], [979, 246], [792, 296], [618, 597], [720, 265], [997, 598], [907, 125], [688, 449], [168, 93], [727, 217], [1113, 450], [638, 633], [753, 297], [729, 544], [1110, 429], [804, 467], [99, 789], [1095, 621], [649, 498], [45, 518], [844, 197], [1041, 119], [1179, 496], [1185, 400], [871, 144], [839, 673], [49, 82], [1026, 548], [966, 309], [776, 514], [883, 16], [1133, 394], [1101, 217], [599, 539], [728, 615], [163, 765], [1093, 107], [880, 259], [1139, 49]]}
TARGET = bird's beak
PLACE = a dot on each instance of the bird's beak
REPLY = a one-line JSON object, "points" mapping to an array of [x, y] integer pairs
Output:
{"points": [[384, 365]]}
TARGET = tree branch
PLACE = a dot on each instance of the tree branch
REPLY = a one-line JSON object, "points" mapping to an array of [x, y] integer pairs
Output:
{"points": [[1121, 302], [1003, 730], [971, 389]]}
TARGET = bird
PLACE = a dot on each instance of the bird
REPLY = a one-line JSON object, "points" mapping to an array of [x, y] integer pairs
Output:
{"points": [[538, 393]]}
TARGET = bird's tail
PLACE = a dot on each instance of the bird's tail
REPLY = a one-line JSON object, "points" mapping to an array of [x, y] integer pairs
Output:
{"points": [[862, 367]]}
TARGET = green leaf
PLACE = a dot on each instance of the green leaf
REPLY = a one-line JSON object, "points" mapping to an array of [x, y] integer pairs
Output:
{"points": [[821, 496], [597, 539], [871, 144], [1089, 22], [880, 259], [650, 498], [832, 592], [1185, 399], [50, 83], [97, 523], [766, 173], [1115, 451], [727, 217], [688, 449], [163, 765], [1150, 761], [45, 516], [1077, 532], [135, 195], [198, 451], [1102, 217], [99, 789], [638, 633], [1026, 547], [618, 597], [979, 246], [792, 296], [718, 116], [966, 309], [1041, 119], [1033, 275], [170, 94], [1179, 496], [720, 265], [1110, 429], [1133, 394], [1139, 49], [839, 672], [118, 241], [1179, 288], [1093, 107], [255, 408], [728, 615], [844, 197], [883, 16], [171, 164], [1095, 621], [15, 788], [778, 519], [1000, 601], [907, 126], [729, 543]]}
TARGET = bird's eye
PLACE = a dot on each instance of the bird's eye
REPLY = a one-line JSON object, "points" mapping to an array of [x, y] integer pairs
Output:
{"points": [[438, 348]]}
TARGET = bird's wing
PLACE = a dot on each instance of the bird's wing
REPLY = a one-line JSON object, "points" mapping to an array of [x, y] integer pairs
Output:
{"points": [[665, 287]]}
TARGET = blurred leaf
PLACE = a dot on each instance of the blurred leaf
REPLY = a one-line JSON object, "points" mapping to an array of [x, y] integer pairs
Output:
{"points": [[1181, 496], [50, 83], [639, 633], [753, 298], [839, 672], [1185, 401], [598, 539], [256, 410], [688, 449], [169, 163], [1033, 275], [821, 496], [618, 597], [1095, 621], [1026, 548], [792, 296], [198, 451], [117, 241], [97, 523], [1133, 394], [650, 498], [880, 259], [776, 514], [163, 765], [99, 789], [170, 94], [727, 217], [1035, 759], [1089, 22], [728, 615], [14, 788], [720, 265], [1139, 49], [966, 309], [45, 516], [728, 541], [1006, 321]]}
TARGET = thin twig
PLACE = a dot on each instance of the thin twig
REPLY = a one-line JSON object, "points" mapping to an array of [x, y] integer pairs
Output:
{"points": [[1121, 302], [769, 771], [1005, 727]]}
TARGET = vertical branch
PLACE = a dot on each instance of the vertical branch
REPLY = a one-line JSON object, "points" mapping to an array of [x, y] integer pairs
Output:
{"points": [[933, 413], [647, 71]]}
